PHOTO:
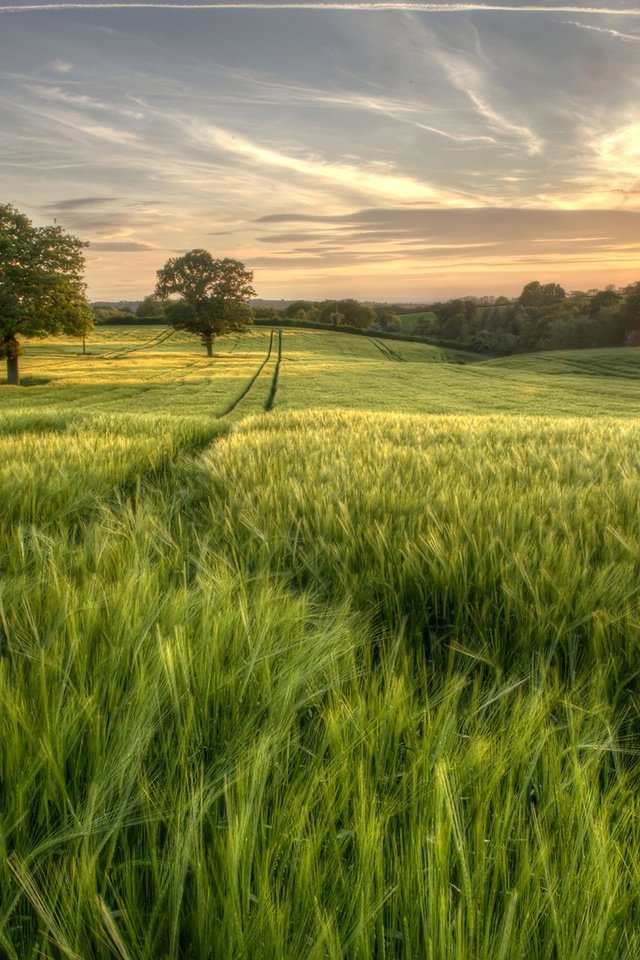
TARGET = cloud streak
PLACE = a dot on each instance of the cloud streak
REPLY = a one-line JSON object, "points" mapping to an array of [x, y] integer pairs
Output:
{"points": [[368, 179], [364, 5]]}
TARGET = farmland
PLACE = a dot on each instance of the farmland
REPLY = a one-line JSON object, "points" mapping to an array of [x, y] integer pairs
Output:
{"points": [[325, 648]]}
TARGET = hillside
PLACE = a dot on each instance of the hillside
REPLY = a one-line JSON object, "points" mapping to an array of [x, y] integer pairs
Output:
{"points": [[133, 369], [623, 362]]}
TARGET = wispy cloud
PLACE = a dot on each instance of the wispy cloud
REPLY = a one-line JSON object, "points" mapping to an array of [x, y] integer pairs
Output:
{"points": [[80, 203], [364, 5], [608, 31], [58, 95], [466, 76], [60, 66], [370, 179], [121, 246]]}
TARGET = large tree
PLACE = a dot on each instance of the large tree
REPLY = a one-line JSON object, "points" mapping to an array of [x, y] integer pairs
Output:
{"points": [[214, 294], [42, 290]]}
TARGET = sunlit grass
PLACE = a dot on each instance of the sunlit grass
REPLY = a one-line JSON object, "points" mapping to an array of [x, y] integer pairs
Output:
{"points": [[174, 377], [321, 369]]}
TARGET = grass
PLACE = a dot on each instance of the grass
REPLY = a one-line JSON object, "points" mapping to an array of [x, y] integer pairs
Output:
{"points": [[283, 680], [317, 369]]}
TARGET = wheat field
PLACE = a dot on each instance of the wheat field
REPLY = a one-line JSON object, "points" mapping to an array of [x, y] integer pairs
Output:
{"points": [[314, 651]]}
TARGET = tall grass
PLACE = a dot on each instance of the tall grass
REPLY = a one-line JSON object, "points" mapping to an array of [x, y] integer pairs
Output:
{"points": [[514, 537], [56, 466], [363, 689]]}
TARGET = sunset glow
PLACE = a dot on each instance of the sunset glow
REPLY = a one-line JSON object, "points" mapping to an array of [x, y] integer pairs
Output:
{"points": [[404, 152]]}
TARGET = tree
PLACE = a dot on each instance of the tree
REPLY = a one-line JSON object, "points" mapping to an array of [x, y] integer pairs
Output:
{"points": [[602, 299], [626, 321], [389, 321], [41, 285], [214, 295], [150, 308], [293, 309], [351, 313], [536, 294]]}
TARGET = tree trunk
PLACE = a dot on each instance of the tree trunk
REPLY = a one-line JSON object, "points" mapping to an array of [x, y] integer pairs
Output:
{"points": [[13, 373], [208, 342]]}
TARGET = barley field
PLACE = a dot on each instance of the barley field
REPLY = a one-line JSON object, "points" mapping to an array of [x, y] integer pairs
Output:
{"points": [[326, 648]]}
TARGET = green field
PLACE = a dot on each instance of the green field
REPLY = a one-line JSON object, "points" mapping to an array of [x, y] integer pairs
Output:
{"points": [[325, 648]]}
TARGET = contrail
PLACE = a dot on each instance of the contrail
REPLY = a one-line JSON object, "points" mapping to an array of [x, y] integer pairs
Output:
{"points": [[365, 5]]}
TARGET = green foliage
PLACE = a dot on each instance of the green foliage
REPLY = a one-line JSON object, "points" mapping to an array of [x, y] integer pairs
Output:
{"points": [[266, 313], [150, 307], [214, 294], [389, 321], [293, 310], [536, 294], [628, 315], [543, 317], [349, 312], [114, 315], [41, 286]]}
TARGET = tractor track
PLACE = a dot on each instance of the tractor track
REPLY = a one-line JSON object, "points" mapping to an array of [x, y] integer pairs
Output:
{"points": [[247, 387], [271, 399], [387, 351]]}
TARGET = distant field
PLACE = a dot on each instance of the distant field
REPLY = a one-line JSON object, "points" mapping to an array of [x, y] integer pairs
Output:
{"points": [[326, 648], [617, 362], [142, 369]]}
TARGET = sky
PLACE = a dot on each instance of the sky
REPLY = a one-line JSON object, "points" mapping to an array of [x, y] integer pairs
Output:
{"points": [[384, 151]]}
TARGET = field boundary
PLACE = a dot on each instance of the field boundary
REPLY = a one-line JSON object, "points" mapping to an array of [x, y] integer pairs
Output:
{"points": [[153, 342]]}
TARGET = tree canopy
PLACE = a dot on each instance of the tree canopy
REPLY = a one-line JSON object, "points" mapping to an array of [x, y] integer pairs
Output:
{"points": [[150, 307], [536, 294], [214, 294], [42, 290]]}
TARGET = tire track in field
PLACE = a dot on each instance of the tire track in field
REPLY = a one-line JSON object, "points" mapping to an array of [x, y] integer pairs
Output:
{"points": [[116, 354], [99, 394], [153, 342], [271, 399], [247, 387], [387, 352], [142, 468]]}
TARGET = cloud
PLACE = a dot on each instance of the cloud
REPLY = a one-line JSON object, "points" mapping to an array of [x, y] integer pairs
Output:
{"points": [[474, 84], [462, 126], [371, 5], [620, 150], [123, 246], [381, 181], [60, 66], [79, 203], [80, 100], [432, 234], [609, 31]]}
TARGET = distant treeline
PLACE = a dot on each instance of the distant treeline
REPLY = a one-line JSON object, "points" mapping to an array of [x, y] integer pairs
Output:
{"points": [[543, 317]]}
